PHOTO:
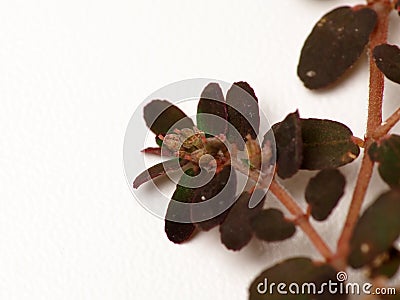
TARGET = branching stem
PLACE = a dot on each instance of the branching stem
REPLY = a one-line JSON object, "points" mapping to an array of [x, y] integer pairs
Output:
{"points": [[385, 127], [291, 205], [376, 86]]}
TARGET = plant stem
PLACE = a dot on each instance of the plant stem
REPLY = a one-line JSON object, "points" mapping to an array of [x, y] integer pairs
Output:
{"points": [[301, 219], [287, 200], [387, 125], [376, 86]]}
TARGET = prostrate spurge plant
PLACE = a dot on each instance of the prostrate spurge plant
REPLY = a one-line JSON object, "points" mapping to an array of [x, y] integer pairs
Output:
{"points": [[334, 45]]}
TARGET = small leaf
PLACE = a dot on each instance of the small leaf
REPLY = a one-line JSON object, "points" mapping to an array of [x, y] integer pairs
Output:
{"points": [[326, 144], [236, 231], [289, 145], [270, 225], [212, 103], [376, 230], [159, 170], [152, 150], [162, 116], [334, 45], [387, 58], [387, 154], [157, 151], [299, 277], [180, 232], [243, 113], [222, 190], [324, 191], [387, 265]]}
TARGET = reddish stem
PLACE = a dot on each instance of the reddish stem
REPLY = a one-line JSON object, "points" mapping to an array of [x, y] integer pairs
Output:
{"points": [[376, 86], [301, 219], [387, 125]]}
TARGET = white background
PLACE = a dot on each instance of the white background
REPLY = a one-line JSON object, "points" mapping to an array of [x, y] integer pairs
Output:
{"points": [[71, 75]]}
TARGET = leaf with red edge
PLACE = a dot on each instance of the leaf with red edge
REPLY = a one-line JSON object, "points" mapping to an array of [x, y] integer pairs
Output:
{"points": [[220, 191], [212, 112], [301, 278], [289, 145], [334, 45], [270, 225], [158, 151], [162, 116], [326, 144], [158, 170], [323, 192], [387, 154], [236, 231], [152, 150], [387, 59], [376, 230], [243, 113], [180, 232]]}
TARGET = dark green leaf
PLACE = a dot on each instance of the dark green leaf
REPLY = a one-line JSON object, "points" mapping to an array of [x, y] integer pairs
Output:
{"points": [[212, 111], [289, 145], [376, 230], [243, 113], [298, 272], [324, 191], [334, 45], [326, 144], [236, 231], [180, 232], [162, 116], [158, 170], [386, 265], [222, 190], [387, 154], [270, 225], [387, 58]]}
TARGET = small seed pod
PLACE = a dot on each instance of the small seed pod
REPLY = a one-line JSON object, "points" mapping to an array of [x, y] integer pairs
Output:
{"points": [[253, 152], [195, 141], [172, 142]]}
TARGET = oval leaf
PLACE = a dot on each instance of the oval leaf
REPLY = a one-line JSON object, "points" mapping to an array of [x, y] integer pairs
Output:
{"points": [[376, 230], [387, 154], [162, 116], [180, 232], [236, 231], [243, 113], [270, 225], [387, 58], [212, 103], [222, 190], [334, 45], [289, 145], [326, 144], [324, 191], [299, 277], [159, 170]]}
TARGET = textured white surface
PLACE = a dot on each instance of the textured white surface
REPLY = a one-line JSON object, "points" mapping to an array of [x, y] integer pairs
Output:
{"points": [[72, 73]]}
